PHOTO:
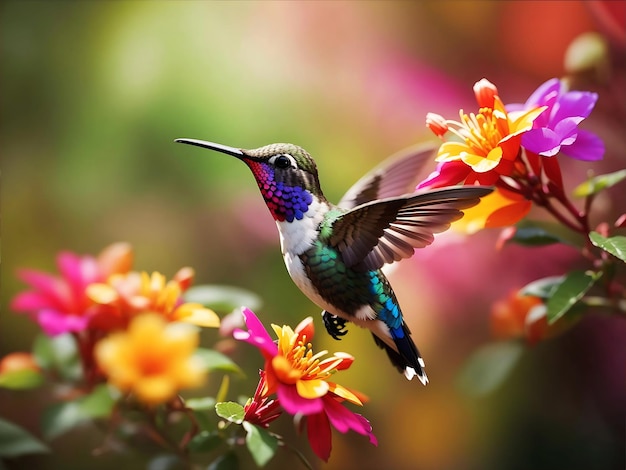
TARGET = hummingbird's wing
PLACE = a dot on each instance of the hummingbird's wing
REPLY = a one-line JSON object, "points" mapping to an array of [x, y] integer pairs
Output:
{"points": [[389, 230], [394, 177]]}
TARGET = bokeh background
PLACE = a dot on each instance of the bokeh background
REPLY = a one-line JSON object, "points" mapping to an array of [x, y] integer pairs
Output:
{"points": [[94, 93]]}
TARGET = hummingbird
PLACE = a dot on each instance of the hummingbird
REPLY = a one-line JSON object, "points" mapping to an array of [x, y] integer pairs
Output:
{"points": [[334, 253]]}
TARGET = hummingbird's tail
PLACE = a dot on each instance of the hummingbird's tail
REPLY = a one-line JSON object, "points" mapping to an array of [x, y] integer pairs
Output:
{"points": [[407, 358]]}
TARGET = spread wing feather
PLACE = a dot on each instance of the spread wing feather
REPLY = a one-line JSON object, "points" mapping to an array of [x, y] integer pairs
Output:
{"points": [[381, 232], [394, 177]]}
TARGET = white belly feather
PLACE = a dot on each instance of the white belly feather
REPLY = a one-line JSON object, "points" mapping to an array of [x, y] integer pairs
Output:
{"points": [[298, 236]]}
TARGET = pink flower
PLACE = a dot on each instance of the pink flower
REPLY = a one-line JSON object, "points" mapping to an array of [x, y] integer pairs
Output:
{"points": [[342, 419], [556, 130], [299, 378], [59, 303]]}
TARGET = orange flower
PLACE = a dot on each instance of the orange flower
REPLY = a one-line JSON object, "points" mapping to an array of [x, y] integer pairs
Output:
{"points": [[153, 359], [489, 141], [501, 208]]}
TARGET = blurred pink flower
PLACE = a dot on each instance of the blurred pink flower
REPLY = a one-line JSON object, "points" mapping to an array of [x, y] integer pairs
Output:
{"points": [[60, 303]]}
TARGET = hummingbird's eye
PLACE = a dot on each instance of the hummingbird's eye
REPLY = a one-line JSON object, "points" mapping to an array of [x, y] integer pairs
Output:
{"points": [[283, 161]]}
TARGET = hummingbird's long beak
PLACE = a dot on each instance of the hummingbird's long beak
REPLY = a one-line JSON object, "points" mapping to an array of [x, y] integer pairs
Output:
{"points": [[213, 146]]}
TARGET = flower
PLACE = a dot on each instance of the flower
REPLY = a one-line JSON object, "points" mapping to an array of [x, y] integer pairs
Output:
{"points": [[124, 295], [341, 418], [60, 303], [489, 140], [18, 361], [153, 359], [556, 130], [525, 317], [293, 372], [519, 316], [501, 208], [299, 378], [261, 410]]}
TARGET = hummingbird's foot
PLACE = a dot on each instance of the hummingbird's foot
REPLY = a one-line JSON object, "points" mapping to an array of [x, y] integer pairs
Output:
{"points": [[335, 326]]}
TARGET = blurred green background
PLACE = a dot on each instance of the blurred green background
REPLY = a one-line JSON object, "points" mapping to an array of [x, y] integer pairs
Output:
{"points": [[94, 93]]}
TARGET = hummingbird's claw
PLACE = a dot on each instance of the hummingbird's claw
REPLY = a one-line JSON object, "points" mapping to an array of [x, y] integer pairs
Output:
{"points": [[335, 326]]}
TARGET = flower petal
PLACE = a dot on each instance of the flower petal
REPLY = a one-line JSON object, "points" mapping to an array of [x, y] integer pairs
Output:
{"points": [[574, 104], [305, 328], [197, 314], [50, 286], [446, 174], [312, 388], [451, 151], [293, 403], [30, 302], [587, 147], [498, 209], [344, 393], [54, 323], [567, 131], [342, 419], [256, 334], [319, 434], [115, 259], [485, 93], [102, 294], [482, 164], [542, 141]]}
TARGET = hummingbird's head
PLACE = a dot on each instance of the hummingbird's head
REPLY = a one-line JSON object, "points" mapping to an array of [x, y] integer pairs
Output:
{"points": [[285, 173]]}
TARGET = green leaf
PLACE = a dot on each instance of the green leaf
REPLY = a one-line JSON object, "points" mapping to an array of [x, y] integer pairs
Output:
{"points": [[489, 366], [225, 462], [59, 353], [569, 292], [614, 245], [539, 233], [261, 444], [542, 288], [21, 379], [230, 411], [62, 417], [16, 441], [200, 404], [222, 298], [99, 403], [216, 361], [166, 462], [598, 183], [205, 441]]}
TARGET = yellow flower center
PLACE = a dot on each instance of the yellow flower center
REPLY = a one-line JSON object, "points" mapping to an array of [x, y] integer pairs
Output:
{"points": [[298, 362], [481, 132]]}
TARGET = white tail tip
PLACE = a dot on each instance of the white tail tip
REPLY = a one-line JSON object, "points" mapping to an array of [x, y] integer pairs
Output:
{"points": [[409, 373]]}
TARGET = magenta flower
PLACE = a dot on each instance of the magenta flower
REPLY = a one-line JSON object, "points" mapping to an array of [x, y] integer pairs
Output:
{"points": [[342, 419], [299, 379], [556, 129], [60, 304]]}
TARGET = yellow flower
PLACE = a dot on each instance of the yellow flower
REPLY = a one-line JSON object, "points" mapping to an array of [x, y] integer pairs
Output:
{"points": [[153, 359], [125, 295], [501, 208]]}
